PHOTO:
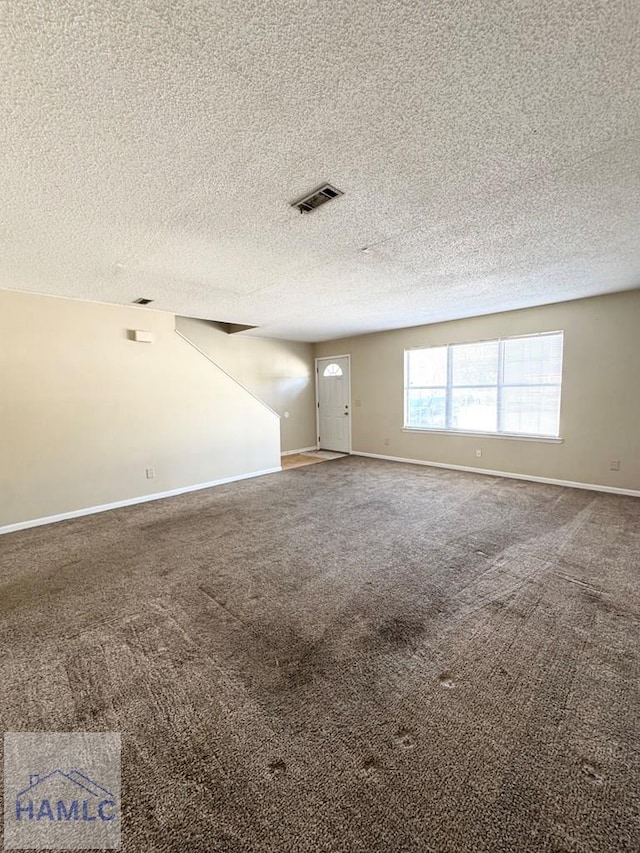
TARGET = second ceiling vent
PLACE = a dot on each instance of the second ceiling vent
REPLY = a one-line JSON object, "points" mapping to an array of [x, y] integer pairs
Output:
{"points": [[317, 198]]}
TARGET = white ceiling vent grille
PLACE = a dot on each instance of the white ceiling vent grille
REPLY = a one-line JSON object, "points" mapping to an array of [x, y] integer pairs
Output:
{"points": [[317, 198]]}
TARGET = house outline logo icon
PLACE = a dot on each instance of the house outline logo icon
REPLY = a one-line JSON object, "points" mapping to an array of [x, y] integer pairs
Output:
{"points": [[88, 800]]}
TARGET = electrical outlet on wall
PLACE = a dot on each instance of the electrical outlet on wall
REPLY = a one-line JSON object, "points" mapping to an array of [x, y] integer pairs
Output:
{"points": [[387, 442], [478, 453], [151, 473], [614, 465]]}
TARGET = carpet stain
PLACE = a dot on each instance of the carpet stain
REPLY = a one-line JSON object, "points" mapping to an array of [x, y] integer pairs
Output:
{"points": [[592, 774], [371, 768], [446, 681], [404, 738], [272, 652], [401, 631]]}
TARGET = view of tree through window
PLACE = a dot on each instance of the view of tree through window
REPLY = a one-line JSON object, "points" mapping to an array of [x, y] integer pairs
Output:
{"points": [[509, 385]]}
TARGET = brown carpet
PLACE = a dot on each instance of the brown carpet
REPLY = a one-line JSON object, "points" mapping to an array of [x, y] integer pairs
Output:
{"points": [[357, 657]]}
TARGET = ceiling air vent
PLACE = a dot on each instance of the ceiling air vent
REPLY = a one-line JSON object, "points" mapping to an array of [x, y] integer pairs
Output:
{"points": [[142, 301], [317, 198]]}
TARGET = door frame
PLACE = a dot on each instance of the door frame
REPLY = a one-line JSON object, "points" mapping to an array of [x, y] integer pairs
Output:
{"points": [[325, 358]]}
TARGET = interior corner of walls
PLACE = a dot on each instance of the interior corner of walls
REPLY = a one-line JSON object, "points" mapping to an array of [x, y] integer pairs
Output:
{"points": [[87, 404]]}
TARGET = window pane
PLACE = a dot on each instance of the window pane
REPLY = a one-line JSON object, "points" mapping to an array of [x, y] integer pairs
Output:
{"points": [[427, 408], [427, 366], [531, 410], [529, 371], [474, 409], [475, 364], [533, 361]]}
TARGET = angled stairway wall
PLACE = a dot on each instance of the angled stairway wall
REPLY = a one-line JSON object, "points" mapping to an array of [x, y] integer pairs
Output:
{"points": [[280, 373], [85, 411]]}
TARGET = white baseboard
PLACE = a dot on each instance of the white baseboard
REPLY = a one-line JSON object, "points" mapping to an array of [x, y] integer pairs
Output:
{"points": [[300, 450], [77, 513], [568, 483]]}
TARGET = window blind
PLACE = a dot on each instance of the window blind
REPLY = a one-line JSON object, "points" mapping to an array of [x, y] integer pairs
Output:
{"points": [[504, 386]]}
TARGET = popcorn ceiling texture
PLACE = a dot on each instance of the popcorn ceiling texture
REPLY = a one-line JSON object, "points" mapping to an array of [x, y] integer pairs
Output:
{"points": [[489, 154]]}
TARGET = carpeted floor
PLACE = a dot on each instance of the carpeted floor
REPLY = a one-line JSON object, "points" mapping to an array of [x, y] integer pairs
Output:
{"points": [[357, 657]]}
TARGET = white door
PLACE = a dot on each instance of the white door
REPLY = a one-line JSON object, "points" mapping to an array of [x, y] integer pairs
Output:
{"points": [[334, 413]]}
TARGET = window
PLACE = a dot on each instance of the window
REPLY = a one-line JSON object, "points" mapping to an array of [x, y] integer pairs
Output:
{"points": [[332, 370], [510, 386]]}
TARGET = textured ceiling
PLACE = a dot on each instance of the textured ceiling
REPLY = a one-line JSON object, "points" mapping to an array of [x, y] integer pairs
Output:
{"points": [[489, 152]]}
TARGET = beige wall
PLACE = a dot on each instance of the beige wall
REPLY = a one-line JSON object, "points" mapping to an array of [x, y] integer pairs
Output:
{"points": [[600, 413], [278, 372], [84, 410]]}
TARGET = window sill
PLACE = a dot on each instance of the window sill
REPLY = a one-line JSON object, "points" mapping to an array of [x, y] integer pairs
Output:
{"points": [[508, 435]]}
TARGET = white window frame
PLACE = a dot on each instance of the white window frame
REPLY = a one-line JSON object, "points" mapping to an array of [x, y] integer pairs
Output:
{"points": [[449, 386]]}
